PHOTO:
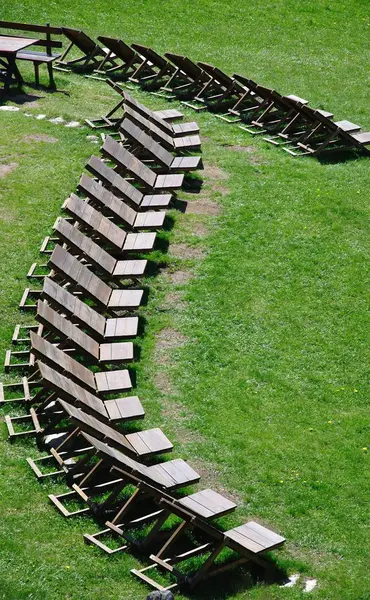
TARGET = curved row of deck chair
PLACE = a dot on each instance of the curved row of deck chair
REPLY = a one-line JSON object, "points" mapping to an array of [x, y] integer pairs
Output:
{"points": [[78, 388]]}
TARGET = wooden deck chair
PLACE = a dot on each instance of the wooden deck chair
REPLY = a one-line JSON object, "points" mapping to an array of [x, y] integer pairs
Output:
{"points": [[101, 328], [60, 330], [172, 129], [92, 53], [206, 504], [121, 187], [329, 136], [71, 269], [109, 121], [116, 207], [128, 163], [173, 144], [100, 382], [125, 58], [222, 91], [140, 143], [140, 444], [248, 543], [165, 476], [187, 79], [152, 61], [302, 122], [83, 245], [46, 415]]}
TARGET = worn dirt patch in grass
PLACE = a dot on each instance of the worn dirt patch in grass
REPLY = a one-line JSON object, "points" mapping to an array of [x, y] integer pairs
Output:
{"points": [[163, 382], [187, 252], [180, 277], [40, 137], [167, 339], [215, 173], [253, 155], [203, 206], [174, 300], [6, 169], [6, 215]]}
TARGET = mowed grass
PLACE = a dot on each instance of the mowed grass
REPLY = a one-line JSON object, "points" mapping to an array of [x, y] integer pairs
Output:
{"points": [[269, 394]]}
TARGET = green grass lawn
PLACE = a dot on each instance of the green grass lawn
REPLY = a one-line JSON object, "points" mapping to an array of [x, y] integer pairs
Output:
{"points": [[267, 393]]}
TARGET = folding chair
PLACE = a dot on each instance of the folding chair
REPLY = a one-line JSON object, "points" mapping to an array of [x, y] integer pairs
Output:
{"points": [[165, 476], [173, 144], [112, 180], [92, 53], [159, 68], [302, 123], [116, 207], [122, 54], [109, 121], [187, 79], [172, 129], [60, 330], [46, 414], [128, 163], [141, 444], [99, 382], [140, 143]]}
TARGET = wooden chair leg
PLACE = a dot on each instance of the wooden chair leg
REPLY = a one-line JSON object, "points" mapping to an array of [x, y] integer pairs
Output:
{"points": [[37, 77], [51, 76]]}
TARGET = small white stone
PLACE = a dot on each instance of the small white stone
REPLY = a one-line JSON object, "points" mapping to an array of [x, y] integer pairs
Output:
{"points": [[40, 117], [9, 108], [28, 115], [73, 124], [57, 120], [292, 581], [310, 585]]}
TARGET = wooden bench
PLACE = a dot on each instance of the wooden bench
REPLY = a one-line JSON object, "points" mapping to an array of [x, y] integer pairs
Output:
{"points": [[36, 57]]}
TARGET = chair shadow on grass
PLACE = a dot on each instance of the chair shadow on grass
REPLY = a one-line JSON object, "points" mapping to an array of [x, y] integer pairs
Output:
{"points": [[335, 157]]}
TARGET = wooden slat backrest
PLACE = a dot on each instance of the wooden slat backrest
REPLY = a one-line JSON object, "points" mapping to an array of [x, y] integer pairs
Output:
{"points": [[73, 237], [190, 68], [128, 161], [80, 39], [109, 177], [68, 265], [46, 29], [115, 205], [118, 47], [155, 58], [72, 305], [90, 424], [216, 74], [87, 215], [59, 324], [71, 392], [134, 132], [146, 112], [149, 126], [49, 353]]}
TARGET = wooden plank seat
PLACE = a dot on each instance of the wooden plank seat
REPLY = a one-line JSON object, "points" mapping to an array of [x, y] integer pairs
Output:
{"points": [[99, 327], [46, 414], [141, 143], [159, 68], [100, 382], [172, 129], [90, 53], [126, 57], [140, 444], [99, 257], [169, 475], [43, 33], [117, 209], [177, 144], [57, 324], [121, 187], [128, 163], [71, 269], [187, 79], [109, 121]]}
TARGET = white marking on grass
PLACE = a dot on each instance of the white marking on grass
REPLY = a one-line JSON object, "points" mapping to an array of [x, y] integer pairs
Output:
{"points": [[292, 581], [40, 117], [28, 115], [310, 585], [93, 139], [9, 108], [73, 124]]}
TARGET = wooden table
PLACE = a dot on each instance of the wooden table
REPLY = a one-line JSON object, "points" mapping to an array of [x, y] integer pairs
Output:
{"points": [[9, 46]]}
